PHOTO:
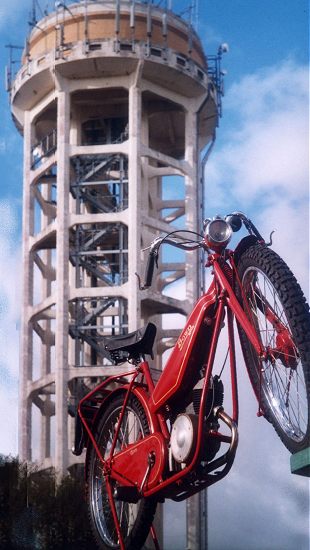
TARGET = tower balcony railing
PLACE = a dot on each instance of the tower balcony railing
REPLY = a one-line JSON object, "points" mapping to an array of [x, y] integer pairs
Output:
{"points": [[43, 149]]}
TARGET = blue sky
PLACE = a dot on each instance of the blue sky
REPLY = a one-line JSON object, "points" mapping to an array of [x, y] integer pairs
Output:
{"points": [[259, 165]]}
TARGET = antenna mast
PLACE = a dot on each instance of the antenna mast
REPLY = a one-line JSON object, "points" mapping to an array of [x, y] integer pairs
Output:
{"points": [[33, 20]]}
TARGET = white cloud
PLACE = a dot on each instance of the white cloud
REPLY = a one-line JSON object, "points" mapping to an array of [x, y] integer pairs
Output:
{"points": [[10, 284], [267, 151], [8, 416], [269, 156], [268, 143], [278, 88], [291, 237], [262, 164]]}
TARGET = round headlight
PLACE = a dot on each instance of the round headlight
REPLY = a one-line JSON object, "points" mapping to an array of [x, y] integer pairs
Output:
{"points": [[218, 234]]}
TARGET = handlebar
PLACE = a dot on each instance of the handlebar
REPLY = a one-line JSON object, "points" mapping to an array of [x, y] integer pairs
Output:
{"points": [[235, 219], [153, 255], [247, 223]]}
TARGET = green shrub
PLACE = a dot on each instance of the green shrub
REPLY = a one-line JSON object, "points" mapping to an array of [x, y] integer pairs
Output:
{"points": [[38, 513]]}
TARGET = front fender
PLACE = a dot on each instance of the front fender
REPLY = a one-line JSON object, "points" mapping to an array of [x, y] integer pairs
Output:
{"points": [[244, 244]]}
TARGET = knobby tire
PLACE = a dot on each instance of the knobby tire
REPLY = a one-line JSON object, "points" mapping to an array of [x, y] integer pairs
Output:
{"points": [[283, 392]]}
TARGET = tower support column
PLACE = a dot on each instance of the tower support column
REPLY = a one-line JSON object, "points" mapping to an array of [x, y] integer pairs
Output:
{"points": [[27, 300], [196, 505], [134, 203], [62, 291]]}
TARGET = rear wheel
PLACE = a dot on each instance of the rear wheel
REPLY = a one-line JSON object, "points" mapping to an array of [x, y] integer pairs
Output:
{"points": [[135, 519], [274, 302]]}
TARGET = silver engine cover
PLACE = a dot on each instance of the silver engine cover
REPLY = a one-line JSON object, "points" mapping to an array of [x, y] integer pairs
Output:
{"points": [[183, 437]]}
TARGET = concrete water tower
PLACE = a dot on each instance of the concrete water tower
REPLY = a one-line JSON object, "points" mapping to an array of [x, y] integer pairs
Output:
{"points": [[116, 102]]}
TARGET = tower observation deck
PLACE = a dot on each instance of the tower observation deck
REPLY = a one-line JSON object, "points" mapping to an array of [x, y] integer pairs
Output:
{"points": [[116, 102]]}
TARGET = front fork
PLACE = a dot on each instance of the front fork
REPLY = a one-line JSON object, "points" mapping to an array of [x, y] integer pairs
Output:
{"points": [[242, 317]]}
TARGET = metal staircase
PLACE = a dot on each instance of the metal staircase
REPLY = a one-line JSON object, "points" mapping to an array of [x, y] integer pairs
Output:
{"points": [[98, 251]]}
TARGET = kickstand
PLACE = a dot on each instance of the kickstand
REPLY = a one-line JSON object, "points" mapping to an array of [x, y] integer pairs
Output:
{"points": [[154, 537]]}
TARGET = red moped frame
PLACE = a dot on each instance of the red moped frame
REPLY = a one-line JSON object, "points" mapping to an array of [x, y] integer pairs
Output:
{"points": [[195, 347]]}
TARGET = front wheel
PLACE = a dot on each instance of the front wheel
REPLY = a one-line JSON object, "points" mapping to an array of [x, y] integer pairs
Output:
{"points": [[274, 302], [136, 519]]}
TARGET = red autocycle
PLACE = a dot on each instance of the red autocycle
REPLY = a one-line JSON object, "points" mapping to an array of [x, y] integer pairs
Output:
{"points": [[150, 441]]}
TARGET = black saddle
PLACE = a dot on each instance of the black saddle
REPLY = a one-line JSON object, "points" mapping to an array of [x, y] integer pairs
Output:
{"points": [[132, 345]]}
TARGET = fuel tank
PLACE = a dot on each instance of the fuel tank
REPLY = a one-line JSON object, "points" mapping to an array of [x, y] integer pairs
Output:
{"points": [[187, 357]]}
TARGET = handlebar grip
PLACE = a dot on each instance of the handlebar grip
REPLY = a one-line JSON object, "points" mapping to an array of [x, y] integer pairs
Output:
{"points": [[150, 269]]}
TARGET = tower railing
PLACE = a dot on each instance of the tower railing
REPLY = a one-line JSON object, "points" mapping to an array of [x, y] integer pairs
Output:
{"points": [[43, 148]]}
